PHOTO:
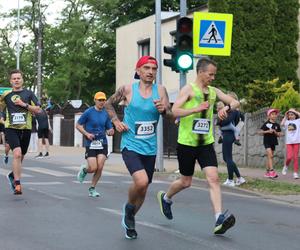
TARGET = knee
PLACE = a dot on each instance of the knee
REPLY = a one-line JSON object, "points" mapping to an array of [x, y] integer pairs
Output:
{"points": [[18, 155], [142, 185], [186, 183], [213, 179]]}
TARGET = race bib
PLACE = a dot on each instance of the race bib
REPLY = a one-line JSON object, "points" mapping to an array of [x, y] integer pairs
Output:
{"points": [[145, 129], [201, 126], [18, 118], [96, 144]]}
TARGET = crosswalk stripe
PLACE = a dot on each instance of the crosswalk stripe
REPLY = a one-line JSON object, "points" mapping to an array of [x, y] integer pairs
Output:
{"points": [[6, 171], [42, 183], [49, 172]]}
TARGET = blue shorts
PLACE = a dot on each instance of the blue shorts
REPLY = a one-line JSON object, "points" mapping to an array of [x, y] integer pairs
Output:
{"points": [[135, 162]]}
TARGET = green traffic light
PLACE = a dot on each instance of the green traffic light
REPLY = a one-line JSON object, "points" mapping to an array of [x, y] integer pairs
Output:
{"points": [[185, 61]]}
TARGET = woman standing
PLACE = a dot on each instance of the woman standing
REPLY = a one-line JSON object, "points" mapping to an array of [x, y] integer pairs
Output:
{"points": [[228, 140]]}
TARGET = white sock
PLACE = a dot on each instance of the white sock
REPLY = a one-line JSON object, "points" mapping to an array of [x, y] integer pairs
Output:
{"points": [[167, 199], [217, 215]]}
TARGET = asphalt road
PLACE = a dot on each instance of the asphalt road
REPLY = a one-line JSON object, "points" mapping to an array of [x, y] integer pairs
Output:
{"points": [[55, 212]]}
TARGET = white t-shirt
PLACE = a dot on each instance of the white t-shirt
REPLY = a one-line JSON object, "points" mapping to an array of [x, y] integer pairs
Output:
{"points": [[292, 128]]}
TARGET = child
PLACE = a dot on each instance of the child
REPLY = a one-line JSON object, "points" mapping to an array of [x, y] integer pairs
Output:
{"points": [[291, 123], [270, 130], [230, 126]]}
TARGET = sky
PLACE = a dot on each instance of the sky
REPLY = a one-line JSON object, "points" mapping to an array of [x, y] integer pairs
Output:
{"points": [[52, 12]]}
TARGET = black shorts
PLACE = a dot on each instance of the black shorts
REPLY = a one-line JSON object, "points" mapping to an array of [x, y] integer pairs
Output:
{"points": [[135, 162], [18, 138], [2, 127], [43, 133], [187, 156], [94, 152], [272, 147]]}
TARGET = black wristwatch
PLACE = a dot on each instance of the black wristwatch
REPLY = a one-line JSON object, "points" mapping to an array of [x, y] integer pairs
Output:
{"points": [[26, 106]]}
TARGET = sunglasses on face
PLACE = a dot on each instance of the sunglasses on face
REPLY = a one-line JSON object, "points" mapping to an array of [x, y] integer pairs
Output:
{"points": [[101, 100]]}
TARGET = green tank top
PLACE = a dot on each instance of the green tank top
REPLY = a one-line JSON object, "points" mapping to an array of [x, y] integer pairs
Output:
{"points": [[197, 129]]}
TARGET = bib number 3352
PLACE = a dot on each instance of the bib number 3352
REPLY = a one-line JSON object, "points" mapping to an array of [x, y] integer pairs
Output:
{"points": [[145, 129], [201, 126]]}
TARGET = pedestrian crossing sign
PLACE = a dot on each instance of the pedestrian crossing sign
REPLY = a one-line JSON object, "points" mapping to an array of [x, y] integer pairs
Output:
{"points": [[212, 34]]}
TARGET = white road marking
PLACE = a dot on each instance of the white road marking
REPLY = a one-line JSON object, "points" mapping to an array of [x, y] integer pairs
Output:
{"points": [[50, 195], [104, 173], [6, 171], [46, 183], [49, 172], [100, 182]]}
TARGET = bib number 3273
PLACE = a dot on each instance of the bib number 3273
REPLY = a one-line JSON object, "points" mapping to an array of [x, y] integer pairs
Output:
{"points": [[18, 118], [201, 126]]}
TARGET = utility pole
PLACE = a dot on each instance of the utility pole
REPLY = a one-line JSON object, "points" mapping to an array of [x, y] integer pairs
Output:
{"points": [[160, 147], [39, 53], [18, 41], [182, 76]]}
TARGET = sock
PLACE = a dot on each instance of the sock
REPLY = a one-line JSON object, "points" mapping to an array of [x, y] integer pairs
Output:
{"points": [[84, 170], [17, 182], [217, 215], [168, 200]]}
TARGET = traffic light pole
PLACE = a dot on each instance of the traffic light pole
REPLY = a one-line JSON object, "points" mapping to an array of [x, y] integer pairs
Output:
{"points": [[182, 76], [159, 166]]}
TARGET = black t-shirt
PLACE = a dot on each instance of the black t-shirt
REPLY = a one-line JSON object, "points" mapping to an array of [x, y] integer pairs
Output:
{"points": [[42, 119], [18, 117], [270, 139]]}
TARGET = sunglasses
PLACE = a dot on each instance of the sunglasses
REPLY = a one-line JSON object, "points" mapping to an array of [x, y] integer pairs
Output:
{"points": [[101, 100]]}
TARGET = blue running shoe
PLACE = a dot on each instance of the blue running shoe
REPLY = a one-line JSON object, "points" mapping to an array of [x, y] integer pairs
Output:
{"points": [[81, 174], [130, 234], [165, 207], [11, 181], [93, 192], [5, 159], [224, 222]]}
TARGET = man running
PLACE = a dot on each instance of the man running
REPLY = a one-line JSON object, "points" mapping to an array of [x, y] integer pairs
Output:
{"points": [[144, 102], [194, 105], [19, 103], [94, 124]]}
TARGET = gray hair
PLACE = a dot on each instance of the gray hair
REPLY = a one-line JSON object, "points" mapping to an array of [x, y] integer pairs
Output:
{"points": [[203, 62]]}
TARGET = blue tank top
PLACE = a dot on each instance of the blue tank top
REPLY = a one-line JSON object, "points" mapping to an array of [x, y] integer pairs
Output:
{"points": [[141, 117]]}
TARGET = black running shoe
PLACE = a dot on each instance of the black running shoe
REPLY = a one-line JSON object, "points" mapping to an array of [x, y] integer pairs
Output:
{"points": [[224, 222], [128, 221], [130, 234], [11, 181], [165, 207]]}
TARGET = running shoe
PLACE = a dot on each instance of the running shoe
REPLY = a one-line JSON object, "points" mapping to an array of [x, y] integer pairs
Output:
{"points": [[130, 234], [237, 142], [229, 183], [224, 222], [295, 175], [165, 207], [18, 189], [11, 180], [128, 220], [40, 155], [267, 174], [273, 174], [93, 192], [240, 181], [284, 170], [81, 174], [46, 155]]}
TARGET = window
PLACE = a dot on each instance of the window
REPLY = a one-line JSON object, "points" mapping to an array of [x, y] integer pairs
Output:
{"points": [[144, 47]]}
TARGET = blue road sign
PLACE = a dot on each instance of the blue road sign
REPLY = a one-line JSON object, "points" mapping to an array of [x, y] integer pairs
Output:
{"points": [[212, 34]]}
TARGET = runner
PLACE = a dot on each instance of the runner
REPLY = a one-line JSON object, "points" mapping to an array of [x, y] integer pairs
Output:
{"points": [[94, 124], [19, 104], [194, 105], [144, 102]]}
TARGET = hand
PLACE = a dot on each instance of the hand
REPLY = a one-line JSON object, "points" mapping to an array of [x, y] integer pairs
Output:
{"points": [[90, 136], [159, 106], [222, 113], [202, 106], [120, 126], [19, 102], [110, 132]]}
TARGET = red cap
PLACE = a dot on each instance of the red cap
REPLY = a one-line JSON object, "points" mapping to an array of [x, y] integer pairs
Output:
{"points": [[272, 110], [145, 59]]}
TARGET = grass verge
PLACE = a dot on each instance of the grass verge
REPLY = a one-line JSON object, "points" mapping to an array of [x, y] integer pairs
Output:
{"points": [[267, 186]]}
